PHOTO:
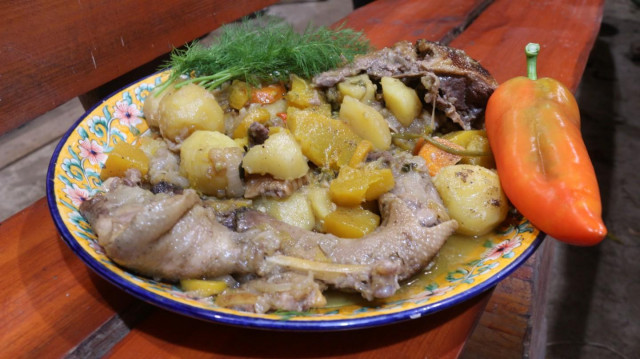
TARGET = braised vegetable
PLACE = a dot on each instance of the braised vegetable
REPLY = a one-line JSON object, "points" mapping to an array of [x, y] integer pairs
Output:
{"points": [[366, 122], [280, 156], [351, 222], [473, 196], [188, 109], [401, 100], [533, 126], [123, 157]]}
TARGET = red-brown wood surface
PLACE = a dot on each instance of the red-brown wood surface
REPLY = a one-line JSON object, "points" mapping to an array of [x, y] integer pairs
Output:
{"points": [[55, 50], [565, 30], [166, 334], [50, 300], [388, 21]]}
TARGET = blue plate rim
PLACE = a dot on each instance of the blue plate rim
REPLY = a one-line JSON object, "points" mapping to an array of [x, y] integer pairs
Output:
{"points": [[247, 321]]}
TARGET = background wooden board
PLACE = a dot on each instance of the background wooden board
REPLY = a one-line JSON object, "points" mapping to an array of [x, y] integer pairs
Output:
{"points": [[50, 300], [54, 50]]}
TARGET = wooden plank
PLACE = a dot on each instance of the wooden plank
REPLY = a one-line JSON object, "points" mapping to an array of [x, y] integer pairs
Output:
{"points": [[169, 335], [55, 50], [50, 300], [565, 30], [386, 22]]}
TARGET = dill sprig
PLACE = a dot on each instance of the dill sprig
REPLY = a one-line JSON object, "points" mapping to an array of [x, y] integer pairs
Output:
{"points": [[264, 49]]}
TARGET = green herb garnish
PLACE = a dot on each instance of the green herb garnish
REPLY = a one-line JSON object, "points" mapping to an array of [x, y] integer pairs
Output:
{"points": [[264, 49]]}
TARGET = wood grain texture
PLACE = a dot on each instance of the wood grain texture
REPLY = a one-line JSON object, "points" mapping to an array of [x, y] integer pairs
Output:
{"points": [[170, 335], [55, 50], [50, 299], [386, 22], [565, 30]]}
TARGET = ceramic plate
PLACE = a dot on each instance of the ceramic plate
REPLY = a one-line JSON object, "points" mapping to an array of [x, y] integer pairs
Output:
{"points": [[463, 269]]}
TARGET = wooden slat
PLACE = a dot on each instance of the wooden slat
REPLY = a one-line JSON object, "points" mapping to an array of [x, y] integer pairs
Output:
{"points": [[566, 31], [50, 300], [170, 335], [386, 22], [55, 50]]}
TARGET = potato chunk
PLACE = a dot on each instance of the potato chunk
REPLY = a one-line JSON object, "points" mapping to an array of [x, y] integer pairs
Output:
{"points": [[196, 164], [189, 109], [366, 122], [401, 100], [473, 196], [359, 87], [280, 156], [295, 210], [151, 107]]}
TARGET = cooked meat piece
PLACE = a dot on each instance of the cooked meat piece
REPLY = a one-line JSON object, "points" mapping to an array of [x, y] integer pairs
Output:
{"points": [[415, 225], [175, 237], [281, 291], [258, 133], [267, 186], [461, 86], [164, 166], [165, 187]]}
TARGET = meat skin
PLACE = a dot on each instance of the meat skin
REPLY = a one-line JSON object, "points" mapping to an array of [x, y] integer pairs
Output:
{"points": [[175, 236]]}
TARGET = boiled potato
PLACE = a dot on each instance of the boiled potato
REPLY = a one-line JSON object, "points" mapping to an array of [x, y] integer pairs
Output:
{"points": [[366, 122], [189, 109], [320, 204], [473, 196], [196, 164], [295, 210], [359, 87], [401, 100], [280, 156], [151, 107]]}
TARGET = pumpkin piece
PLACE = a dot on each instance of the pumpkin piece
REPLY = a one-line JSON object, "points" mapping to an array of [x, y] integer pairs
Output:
{"points": [[326, 142], [351, 222], [123, 157], [302, 94], [356, 185]]}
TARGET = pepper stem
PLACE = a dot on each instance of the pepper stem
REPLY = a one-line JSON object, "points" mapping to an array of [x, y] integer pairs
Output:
{"points": [[531, 50]]}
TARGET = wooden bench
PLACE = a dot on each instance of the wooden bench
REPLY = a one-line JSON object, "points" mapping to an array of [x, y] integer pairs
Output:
{"points": [[55, 306]]}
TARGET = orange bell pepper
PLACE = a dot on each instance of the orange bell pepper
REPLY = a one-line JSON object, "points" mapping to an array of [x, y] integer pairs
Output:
{"points": [[533, 127]]}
